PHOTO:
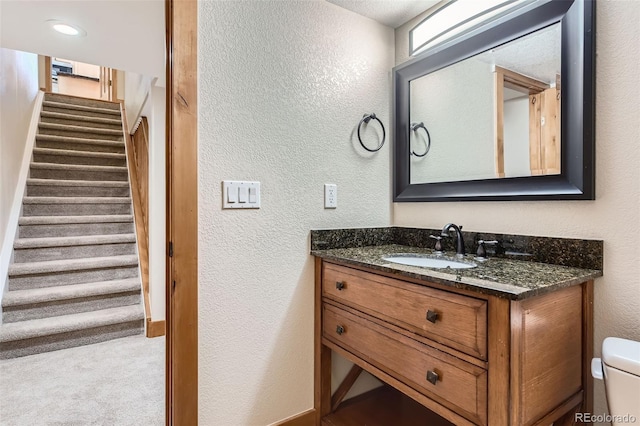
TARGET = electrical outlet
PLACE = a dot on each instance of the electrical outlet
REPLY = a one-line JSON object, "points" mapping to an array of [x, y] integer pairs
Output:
{"points": [[330, 196]]}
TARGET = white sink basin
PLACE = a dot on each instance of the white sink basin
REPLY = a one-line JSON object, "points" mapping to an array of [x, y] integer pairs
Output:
{"points": [[427, 262]]}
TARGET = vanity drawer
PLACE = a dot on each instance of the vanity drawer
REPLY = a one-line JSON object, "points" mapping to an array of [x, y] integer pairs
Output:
{"points": [[445, 379], [448, 318]]}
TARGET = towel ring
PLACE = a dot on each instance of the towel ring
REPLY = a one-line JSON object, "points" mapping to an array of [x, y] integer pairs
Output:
{"points": [[414, 127], [365, 119]]}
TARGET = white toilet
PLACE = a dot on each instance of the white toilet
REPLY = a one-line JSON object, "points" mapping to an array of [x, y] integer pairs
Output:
{"points": [[620, 367]]}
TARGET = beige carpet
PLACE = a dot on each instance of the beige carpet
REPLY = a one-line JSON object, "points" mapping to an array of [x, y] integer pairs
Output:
{"points": [[119, 382]]}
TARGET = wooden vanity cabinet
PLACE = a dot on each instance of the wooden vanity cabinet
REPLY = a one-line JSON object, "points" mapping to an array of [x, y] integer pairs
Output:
{"points": [[470, 358]]}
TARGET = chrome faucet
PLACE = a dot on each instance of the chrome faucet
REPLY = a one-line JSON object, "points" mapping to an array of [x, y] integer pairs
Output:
{"points": [[460, 251]]}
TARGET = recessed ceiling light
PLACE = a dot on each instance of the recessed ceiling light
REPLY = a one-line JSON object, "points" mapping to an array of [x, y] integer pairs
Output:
{"points": [[66, 29]]}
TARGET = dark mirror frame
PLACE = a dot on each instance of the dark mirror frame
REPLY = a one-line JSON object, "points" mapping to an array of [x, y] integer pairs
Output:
{"points": [[577, 178]]}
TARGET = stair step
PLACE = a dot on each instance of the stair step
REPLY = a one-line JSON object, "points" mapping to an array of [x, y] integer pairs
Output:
{"points": [[81, 118], [78, 132], [63, 220], [79, 129], [67, 156], [67, 206], [65, 323], [73, 247], [79, 100], [78, 172], [23, 305], [79, 144], [47, 334], [76, 200], [66, 292], [76, 107], [66, 265], [76, 188], [23, 276], [27, 243], [67, 226]]}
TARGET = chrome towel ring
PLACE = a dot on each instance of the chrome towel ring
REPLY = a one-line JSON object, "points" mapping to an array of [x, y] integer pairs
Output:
{"points": [[365, 119], [415, 127]]}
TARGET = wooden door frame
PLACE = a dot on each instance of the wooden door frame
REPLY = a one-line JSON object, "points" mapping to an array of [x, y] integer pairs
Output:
{"points": [[182, 213]]}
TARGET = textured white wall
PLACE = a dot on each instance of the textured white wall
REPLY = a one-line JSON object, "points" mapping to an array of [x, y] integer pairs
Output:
{"points": [[615, 214], [457, 107], [282, 86], [18, 91]]}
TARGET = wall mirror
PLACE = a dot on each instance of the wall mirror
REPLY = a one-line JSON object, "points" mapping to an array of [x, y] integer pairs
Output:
{"points": [[503, 112]]}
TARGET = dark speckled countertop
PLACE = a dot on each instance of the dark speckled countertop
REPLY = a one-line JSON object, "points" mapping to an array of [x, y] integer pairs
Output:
{"points": [[503, 277]]}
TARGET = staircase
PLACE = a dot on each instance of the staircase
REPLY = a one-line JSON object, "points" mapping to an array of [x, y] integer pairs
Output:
{"points": [[74, 278]]}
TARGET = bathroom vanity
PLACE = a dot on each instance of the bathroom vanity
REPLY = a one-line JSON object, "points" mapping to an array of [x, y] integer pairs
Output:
{"points": [[507, 342]]}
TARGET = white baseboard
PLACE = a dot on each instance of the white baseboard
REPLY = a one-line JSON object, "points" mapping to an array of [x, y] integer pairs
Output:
{"points": [[16, 206]]}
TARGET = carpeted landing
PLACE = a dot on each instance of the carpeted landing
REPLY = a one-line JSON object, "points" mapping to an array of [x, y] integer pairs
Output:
{"points": [[116, 383]]}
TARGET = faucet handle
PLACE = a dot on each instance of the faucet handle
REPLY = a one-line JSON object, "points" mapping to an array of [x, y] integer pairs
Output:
{"points": [[481, 253], [438, 245]]}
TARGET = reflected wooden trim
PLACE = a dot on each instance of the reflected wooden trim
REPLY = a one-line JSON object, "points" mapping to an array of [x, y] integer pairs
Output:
{"points": [[535, 154], [517, 81], [499, 123], [182, 212]]}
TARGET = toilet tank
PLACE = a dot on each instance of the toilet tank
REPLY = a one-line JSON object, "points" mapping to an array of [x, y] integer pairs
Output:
{"points": [[621, 369]]}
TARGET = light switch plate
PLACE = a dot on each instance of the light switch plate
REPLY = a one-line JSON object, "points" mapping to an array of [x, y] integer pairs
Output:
{"points": [[238, 194], [330, 196]]}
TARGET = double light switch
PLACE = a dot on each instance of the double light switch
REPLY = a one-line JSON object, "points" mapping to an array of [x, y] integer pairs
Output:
{"points": [[240, 194]]}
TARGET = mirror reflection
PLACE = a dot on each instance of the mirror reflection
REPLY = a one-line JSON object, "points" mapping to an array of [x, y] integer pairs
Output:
{"points": [[493, 115]]}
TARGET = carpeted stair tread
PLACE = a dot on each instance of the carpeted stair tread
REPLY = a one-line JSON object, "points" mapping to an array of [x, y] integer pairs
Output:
{"points": [[76, 200], [79, 129], [85, 141], [66, 323], [65, 182], [82, 118], [78, 167], [67, 292], [27, 243], [65, 265], [60, 220], [62, 105], [72, 153], [80, 100]]}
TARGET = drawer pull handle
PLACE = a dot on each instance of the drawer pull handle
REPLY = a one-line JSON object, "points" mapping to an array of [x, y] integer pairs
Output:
{"points": [[432, 377], [432, 316], [339, 329], [339, 285]]}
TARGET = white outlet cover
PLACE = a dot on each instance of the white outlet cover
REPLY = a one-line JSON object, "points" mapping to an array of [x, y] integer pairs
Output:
{"points": [[330, 196]]}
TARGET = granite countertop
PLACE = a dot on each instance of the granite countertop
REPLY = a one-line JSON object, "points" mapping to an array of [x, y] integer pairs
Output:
{"points": [[507, 278]]}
